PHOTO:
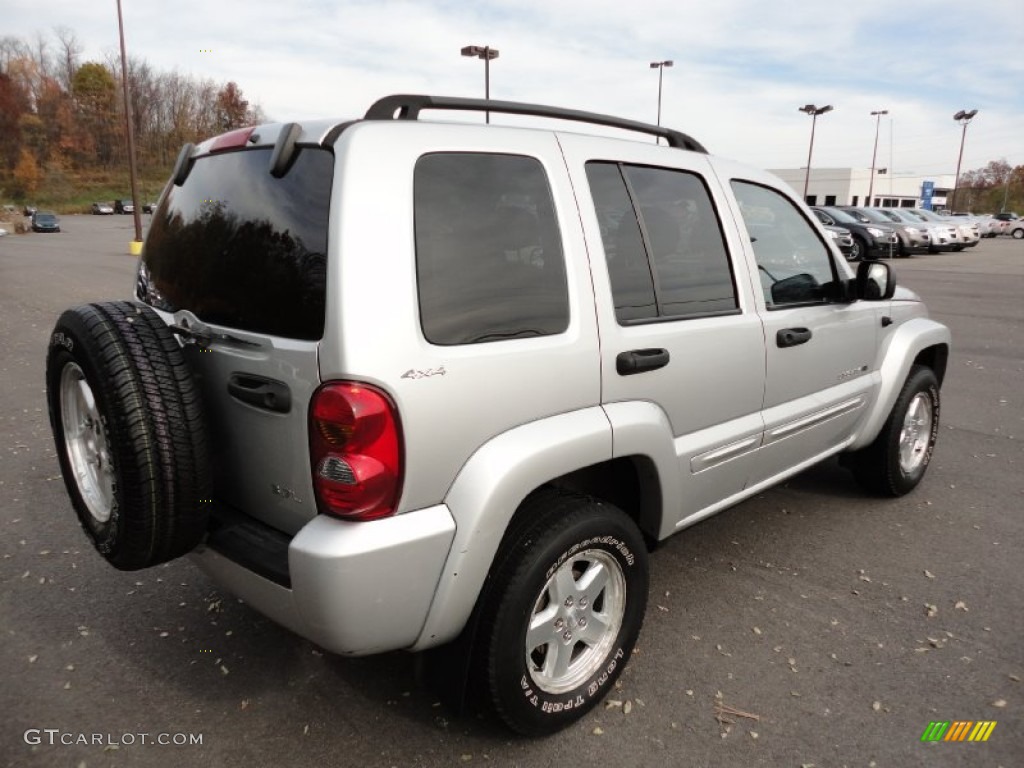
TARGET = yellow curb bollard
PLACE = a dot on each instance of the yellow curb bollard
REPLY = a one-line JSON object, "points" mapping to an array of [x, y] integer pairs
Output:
{"points": [[135, 247]]}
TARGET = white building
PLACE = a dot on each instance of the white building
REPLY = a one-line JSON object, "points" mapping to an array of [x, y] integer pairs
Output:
{"points": [[849, 186]]}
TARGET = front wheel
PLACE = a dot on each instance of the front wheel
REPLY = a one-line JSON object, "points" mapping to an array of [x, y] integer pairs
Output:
{"points": [[859, 249], [896, 461], [564, 610]]}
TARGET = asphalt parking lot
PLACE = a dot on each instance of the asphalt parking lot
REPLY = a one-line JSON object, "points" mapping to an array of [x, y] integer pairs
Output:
{"points": [[838, 625]]}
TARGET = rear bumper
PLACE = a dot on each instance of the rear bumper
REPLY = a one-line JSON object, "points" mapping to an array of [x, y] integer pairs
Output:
{"points": [[355, 588]]}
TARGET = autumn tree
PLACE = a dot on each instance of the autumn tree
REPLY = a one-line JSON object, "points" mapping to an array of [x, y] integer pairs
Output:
{"points": [[12, 106], [231, 109], [26, 175], [95, 94]]}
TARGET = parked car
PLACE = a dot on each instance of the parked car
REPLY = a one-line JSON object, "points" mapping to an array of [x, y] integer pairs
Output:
{"points": [[148, 207], [987, 225], [45, 221], [913, 238], [102, 209], [870, 241], [28, 210], [1007, 216], [124, 206], [486, 483], [944, 235], [842, 238], [969, 233]]}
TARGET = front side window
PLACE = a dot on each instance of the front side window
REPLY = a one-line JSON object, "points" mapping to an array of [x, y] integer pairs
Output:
{"points": [[795, 265], [663, 243], [489, 260], [239, 247]]}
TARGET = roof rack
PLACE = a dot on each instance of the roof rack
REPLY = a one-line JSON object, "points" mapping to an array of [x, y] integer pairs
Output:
{"points": [[409, 106]]}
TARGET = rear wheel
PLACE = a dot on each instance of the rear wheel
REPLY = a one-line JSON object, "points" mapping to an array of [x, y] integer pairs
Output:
{"points": [[563, 611], [129, 433]]}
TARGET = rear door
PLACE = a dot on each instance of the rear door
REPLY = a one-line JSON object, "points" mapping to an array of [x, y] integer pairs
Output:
{"points": [[677, 320], [236, 258]]}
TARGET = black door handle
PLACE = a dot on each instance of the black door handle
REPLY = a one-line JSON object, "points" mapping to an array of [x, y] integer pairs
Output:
{"points": [[790, 337], [260, 391], [640, 360]]}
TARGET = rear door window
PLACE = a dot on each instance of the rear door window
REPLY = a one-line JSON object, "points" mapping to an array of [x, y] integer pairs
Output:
{"points": [[241, 248], [489, 260], [663, 243]]}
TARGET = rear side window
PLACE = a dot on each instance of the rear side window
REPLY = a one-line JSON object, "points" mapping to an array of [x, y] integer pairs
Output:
{"points": [[240, 248], [663, 243], [489, 260]]}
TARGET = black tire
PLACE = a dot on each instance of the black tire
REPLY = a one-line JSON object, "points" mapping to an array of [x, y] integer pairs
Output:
{"points": [[573, 536], [881, 468], [129, 432], [859, 250]]}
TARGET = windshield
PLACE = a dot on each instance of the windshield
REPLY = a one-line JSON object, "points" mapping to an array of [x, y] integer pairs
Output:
{"points": [[841, 216]]}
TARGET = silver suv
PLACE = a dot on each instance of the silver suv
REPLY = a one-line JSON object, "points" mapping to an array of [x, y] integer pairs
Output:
{"points": [[403, 384]]}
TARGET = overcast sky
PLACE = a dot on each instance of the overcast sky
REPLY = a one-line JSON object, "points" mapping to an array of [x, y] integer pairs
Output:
{"points": [[741, 67]]}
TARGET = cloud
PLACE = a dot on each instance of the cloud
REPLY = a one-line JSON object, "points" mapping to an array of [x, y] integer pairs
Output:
{"points": [[742, 67]]}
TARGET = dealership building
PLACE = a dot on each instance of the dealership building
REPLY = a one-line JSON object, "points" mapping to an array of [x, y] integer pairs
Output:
{"points": [[850, 186]]}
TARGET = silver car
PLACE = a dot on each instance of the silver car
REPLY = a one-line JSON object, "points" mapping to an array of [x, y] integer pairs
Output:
{"points": [[414, 384]]}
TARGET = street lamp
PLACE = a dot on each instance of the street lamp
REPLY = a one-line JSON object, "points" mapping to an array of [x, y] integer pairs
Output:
{"points": [[486, 53], [136, 245], [813, 111], [660, 66], [874, 154], [963, 117]]}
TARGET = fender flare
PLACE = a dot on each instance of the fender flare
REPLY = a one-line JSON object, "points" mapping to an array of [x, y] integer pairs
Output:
{"points": [[908, 341], [489, 489]]}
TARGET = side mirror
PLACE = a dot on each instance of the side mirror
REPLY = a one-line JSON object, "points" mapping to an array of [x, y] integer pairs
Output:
{"points": [[875, 281]]}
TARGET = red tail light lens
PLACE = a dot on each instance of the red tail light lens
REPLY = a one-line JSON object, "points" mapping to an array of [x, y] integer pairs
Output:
{"points": [[355, 449]]}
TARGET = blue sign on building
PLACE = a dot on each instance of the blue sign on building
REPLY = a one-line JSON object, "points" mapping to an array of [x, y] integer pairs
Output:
{"points": [[927, 192]]}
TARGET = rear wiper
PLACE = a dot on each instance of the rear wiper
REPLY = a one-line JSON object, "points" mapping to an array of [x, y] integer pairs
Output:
{"points": [[203, 338]]}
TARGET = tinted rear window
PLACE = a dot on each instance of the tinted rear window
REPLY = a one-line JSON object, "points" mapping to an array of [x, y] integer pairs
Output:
{"points": [[488, 251], [240, 248]]}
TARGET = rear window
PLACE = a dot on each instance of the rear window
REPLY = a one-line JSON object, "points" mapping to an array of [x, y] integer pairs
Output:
{"points": [[240, 248]]}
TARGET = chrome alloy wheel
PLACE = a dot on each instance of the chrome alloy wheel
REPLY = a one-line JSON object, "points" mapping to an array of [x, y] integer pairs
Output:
{"points": [[86, 443], [575, 621], [915, 436]]}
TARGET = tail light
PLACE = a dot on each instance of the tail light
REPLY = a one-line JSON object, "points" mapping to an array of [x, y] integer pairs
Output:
{"points": [[355, 449]]}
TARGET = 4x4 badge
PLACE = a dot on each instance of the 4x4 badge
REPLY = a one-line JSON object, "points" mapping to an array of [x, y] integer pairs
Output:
{"points": [[412, 373]]}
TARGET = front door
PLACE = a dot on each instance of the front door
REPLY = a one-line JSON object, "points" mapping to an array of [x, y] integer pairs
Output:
{"points": [[819, 348]]}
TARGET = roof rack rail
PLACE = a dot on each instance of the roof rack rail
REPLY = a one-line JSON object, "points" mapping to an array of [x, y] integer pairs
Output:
{"points": [[409, 106]]}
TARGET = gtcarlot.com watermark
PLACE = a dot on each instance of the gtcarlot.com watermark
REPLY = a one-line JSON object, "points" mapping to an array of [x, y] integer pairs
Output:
{"points": [[57, 737]]}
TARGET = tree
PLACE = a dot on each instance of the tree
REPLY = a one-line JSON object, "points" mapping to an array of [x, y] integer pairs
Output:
{"points": [[26, 175], [12, 105], [95, 93], [231, 109]]}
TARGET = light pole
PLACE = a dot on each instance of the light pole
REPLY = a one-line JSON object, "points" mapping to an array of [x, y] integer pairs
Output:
{"points": [[137, 243], [963, 117], [874, 154], [486, 53], [813, 111], [659, 66]]}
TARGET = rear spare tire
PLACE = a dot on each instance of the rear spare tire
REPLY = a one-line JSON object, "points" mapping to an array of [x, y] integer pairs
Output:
{"points": [[129, 432]]}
